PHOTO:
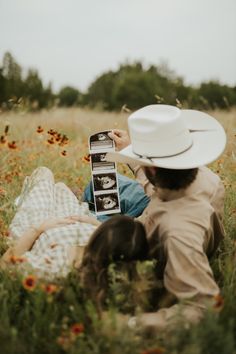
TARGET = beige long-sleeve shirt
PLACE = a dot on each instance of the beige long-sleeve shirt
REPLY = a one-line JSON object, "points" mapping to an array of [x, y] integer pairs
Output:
{"points": [[184, 229]]}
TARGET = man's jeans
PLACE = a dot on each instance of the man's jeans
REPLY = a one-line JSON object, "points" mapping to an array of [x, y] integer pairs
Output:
{"points": [[133, 200]]}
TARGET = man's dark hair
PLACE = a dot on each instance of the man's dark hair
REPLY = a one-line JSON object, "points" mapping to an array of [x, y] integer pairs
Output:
{"points": [[171, 179]]}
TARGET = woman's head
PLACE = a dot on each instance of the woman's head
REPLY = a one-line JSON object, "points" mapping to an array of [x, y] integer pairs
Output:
{"points": [[119, 239]]}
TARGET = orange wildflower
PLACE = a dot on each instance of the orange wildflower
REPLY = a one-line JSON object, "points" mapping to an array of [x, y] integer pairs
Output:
{"points": [[3, 139], [40, 129], [77, 328], [219, 302], [12, 145], [58, 137], [51, 132], [64, 140], [51, 141], [15, 259], [50, 288], [64, 341], [29, 283]]}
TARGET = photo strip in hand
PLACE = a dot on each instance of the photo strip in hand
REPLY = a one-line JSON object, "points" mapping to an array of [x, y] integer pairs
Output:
{"points": [[104, 175]]}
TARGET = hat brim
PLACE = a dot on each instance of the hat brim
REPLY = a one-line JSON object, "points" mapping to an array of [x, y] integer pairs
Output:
{"points": [[208, 143]]}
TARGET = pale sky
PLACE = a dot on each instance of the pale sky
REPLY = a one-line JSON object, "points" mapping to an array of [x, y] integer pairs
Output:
{"points": [[71, 42]]}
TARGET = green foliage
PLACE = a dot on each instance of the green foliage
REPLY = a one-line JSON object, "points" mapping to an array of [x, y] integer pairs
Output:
{"points": [[135, 86], [68, 96], [14, 89], [132, 85]]}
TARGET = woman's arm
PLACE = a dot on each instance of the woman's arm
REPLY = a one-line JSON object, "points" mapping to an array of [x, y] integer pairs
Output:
{"points": [[23, 244], [87, 219], [27, 240]]}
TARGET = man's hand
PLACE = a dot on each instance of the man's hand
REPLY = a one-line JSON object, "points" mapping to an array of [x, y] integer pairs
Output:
{"points": [[120, 137]]}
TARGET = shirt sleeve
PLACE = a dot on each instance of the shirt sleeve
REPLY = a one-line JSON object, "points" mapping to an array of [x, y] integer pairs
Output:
{"points": [[141, 178]]}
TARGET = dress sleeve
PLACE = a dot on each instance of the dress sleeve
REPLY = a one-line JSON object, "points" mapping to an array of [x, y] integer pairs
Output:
{"points": [[189, 278]]}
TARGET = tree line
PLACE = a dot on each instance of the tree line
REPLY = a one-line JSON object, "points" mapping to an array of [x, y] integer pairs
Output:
{"points": [[132, 85]]}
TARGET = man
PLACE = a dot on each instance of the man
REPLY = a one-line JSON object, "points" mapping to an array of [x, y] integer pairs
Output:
{"points": [[183, 220]]}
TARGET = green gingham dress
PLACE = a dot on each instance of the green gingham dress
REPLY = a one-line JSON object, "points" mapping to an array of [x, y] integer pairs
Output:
{"points": [[40, 199]]}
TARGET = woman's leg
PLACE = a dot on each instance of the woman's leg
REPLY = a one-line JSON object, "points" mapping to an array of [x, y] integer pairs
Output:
{"points": [[36, 201], [66, 203]]}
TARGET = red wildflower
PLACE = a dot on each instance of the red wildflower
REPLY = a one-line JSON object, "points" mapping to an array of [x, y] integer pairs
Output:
{"points": [[12, 145], [77, 328], [154, 351]]}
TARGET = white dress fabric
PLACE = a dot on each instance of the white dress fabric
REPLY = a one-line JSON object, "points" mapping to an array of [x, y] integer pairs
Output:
{"points": [[41, 199]]}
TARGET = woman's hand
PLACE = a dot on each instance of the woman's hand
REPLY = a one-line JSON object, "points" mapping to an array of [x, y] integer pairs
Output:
{"points": [[51, 223], [120, 137]]}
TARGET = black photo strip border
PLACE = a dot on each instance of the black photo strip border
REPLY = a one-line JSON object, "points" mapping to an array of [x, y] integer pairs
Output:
{"points": [[104, 174]]}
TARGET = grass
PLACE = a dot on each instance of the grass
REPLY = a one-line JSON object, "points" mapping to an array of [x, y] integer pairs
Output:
{"points": [[60, 319]]}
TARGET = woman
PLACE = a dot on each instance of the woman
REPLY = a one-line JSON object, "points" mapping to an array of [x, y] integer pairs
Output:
{"points": [[51, 228]]}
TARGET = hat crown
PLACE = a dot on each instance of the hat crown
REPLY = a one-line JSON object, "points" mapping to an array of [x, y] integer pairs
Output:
{"points": [[158, 131]]}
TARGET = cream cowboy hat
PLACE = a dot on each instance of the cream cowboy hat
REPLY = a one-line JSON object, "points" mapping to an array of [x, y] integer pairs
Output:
{"points": [[167, 137]]}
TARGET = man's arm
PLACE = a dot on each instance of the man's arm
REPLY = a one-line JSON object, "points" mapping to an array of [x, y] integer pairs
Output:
{"points": [[122, 140]]}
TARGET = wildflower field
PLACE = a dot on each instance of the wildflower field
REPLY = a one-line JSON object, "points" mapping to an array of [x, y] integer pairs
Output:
{"points": [[39, 317]]}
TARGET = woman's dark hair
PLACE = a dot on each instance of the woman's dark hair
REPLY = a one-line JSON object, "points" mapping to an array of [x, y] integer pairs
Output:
{"points": [[171, 179], [119, 239]]}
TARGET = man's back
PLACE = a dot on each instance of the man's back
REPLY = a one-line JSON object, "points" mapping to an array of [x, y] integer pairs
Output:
{"points": [[195, 210], [184, 227]]}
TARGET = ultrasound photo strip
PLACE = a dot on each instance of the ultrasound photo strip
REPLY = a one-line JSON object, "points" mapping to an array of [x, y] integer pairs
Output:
{"points": [[104, 181], [107, 203], [101, 142], [99, 163], [104, 176]]}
